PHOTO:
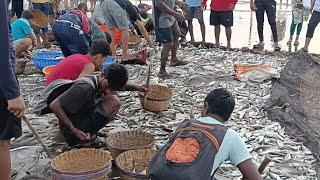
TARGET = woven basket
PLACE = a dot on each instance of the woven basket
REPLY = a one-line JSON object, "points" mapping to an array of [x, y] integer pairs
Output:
{"points": [[158, 98], [140, 157], [120, 142], [89, 164], [134, 41], [20, 66], [40, 20]]}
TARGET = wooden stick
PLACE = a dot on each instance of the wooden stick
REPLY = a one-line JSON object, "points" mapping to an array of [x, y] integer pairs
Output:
{"points": [[264, 164], [34, 132], [147, 85]]}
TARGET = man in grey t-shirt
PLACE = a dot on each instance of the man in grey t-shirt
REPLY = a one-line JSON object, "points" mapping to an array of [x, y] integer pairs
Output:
{"points": [[167, 31]]}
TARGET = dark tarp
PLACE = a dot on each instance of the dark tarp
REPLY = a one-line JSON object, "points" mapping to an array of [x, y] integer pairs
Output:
{"points": [[295, 101]]}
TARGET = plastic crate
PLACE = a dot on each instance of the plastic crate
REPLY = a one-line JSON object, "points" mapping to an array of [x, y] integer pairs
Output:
{"points": [[107, 62], [44, 59]]}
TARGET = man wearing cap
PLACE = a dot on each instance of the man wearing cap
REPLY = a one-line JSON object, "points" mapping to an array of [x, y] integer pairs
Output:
{"points": [[118, 13], [146, 18]]}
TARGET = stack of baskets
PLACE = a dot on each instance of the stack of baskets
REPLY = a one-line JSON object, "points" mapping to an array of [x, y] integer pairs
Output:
{"points": [[40, 20], [158, 98], [127, 147], [134, 41], [82, 164]]}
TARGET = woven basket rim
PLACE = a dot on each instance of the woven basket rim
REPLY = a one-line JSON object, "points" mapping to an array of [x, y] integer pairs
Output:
{"points": [[80, 172], [141, 94], [127, 149], [39, 19], [135, 175]]}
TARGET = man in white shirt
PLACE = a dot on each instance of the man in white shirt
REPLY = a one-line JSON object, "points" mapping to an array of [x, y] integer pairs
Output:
{"points": [[314, 21]]}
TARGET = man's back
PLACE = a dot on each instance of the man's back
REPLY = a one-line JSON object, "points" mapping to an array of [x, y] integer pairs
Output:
{"points": [[69, 68], [20, 29]]}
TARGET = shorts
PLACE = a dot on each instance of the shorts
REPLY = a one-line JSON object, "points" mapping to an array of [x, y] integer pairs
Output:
{"points": [[51, 12], [89, 122], [10, 126], [194, 12], [224, 18], [115, 15], [17, 43], [164, 35]]}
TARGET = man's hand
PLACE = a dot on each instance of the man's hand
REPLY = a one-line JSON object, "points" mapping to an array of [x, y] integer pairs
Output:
{"points": [[142, 89], [16, 106], [84, 137], [253, 7], [204, 7], [232, 6], [179, 17]]}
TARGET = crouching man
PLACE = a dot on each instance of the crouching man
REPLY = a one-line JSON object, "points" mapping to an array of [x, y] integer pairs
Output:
{"points": [[199, 147], [86, 105], [23, 34]]}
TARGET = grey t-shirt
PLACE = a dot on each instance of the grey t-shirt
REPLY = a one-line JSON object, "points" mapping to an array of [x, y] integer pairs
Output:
{"points": [[161, 19]]}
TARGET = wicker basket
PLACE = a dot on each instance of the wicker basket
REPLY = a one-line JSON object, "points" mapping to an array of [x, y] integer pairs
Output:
{"points": [[140, 157], [40, 20], [89, 164], [158, 98], [134, 41], [20, 65], [120, 142]]}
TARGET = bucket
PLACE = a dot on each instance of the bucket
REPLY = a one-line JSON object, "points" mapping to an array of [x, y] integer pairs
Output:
{"points": [[117, 33]]}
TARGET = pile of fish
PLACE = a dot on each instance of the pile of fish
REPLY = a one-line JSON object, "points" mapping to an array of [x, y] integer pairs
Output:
{"points": [[207, 69]]}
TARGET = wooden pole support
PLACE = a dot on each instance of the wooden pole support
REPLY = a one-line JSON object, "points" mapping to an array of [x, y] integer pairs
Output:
{"points": [[34, 132], [264, 164], [147, 84]]}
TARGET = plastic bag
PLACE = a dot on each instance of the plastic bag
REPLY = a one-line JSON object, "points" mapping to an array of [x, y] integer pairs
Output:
{"points": [[257, 73]]}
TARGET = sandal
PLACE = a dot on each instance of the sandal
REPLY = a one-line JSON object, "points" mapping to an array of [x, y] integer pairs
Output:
{"points": [[296, 43], [289, 43], [179, 63], [259, 45], [164, 75], [304, 50], [277, 48]]}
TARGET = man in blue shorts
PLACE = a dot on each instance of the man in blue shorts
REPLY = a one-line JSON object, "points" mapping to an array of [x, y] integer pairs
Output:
{"points": [[195, 10], [167, 31]]}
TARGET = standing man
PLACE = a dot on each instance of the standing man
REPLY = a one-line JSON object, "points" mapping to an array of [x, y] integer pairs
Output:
{"points": [[17, 8], [195, 10], [12, 106], [167, 31], [314, 21], [118, 13], [221, 14], [268, 6], [43, 6]]}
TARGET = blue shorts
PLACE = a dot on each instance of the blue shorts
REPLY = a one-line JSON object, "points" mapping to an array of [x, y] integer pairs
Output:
{"points": [[45, 8], [164, 35]]}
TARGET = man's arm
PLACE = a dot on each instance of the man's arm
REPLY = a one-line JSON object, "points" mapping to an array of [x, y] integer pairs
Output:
{"points": [[144, 32], [249, 170], [33, 39], [312, 5], [132, 87], [30, 5], [88, 69], [8, 82]]}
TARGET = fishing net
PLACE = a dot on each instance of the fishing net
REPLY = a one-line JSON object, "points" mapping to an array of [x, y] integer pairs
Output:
{"points": [[295, 100]]}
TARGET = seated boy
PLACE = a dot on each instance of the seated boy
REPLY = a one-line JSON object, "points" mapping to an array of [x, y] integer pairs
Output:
{"points": [[23, 34], [88, 105], [199, 147]]}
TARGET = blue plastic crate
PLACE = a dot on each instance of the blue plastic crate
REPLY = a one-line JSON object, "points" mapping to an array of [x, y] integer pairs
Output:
{"points": [[107, 62], [44, 59]]}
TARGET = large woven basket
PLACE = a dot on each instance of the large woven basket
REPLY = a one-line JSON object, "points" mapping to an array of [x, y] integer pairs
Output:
{"points": [[40, 20], [89, 164], [141, 158], [134, 41], [122, 141], [20, 65], [158, 98]]}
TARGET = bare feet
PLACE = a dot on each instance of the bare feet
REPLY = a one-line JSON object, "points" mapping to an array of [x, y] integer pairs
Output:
{"points": [[46, 44], [229, 46]]}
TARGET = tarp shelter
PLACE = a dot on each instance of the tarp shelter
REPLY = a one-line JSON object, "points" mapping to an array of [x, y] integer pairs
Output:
{"points": [[295, 101]]}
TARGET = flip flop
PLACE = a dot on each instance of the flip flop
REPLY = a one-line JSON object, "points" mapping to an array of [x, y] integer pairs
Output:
{"points": [[179, 63], [304, 50], [164, 75], [296, 43], [259, 45], [289, 43], [277, 48]]}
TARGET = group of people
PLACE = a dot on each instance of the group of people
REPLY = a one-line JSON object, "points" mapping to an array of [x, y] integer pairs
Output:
{"points": [[84, 103]]}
